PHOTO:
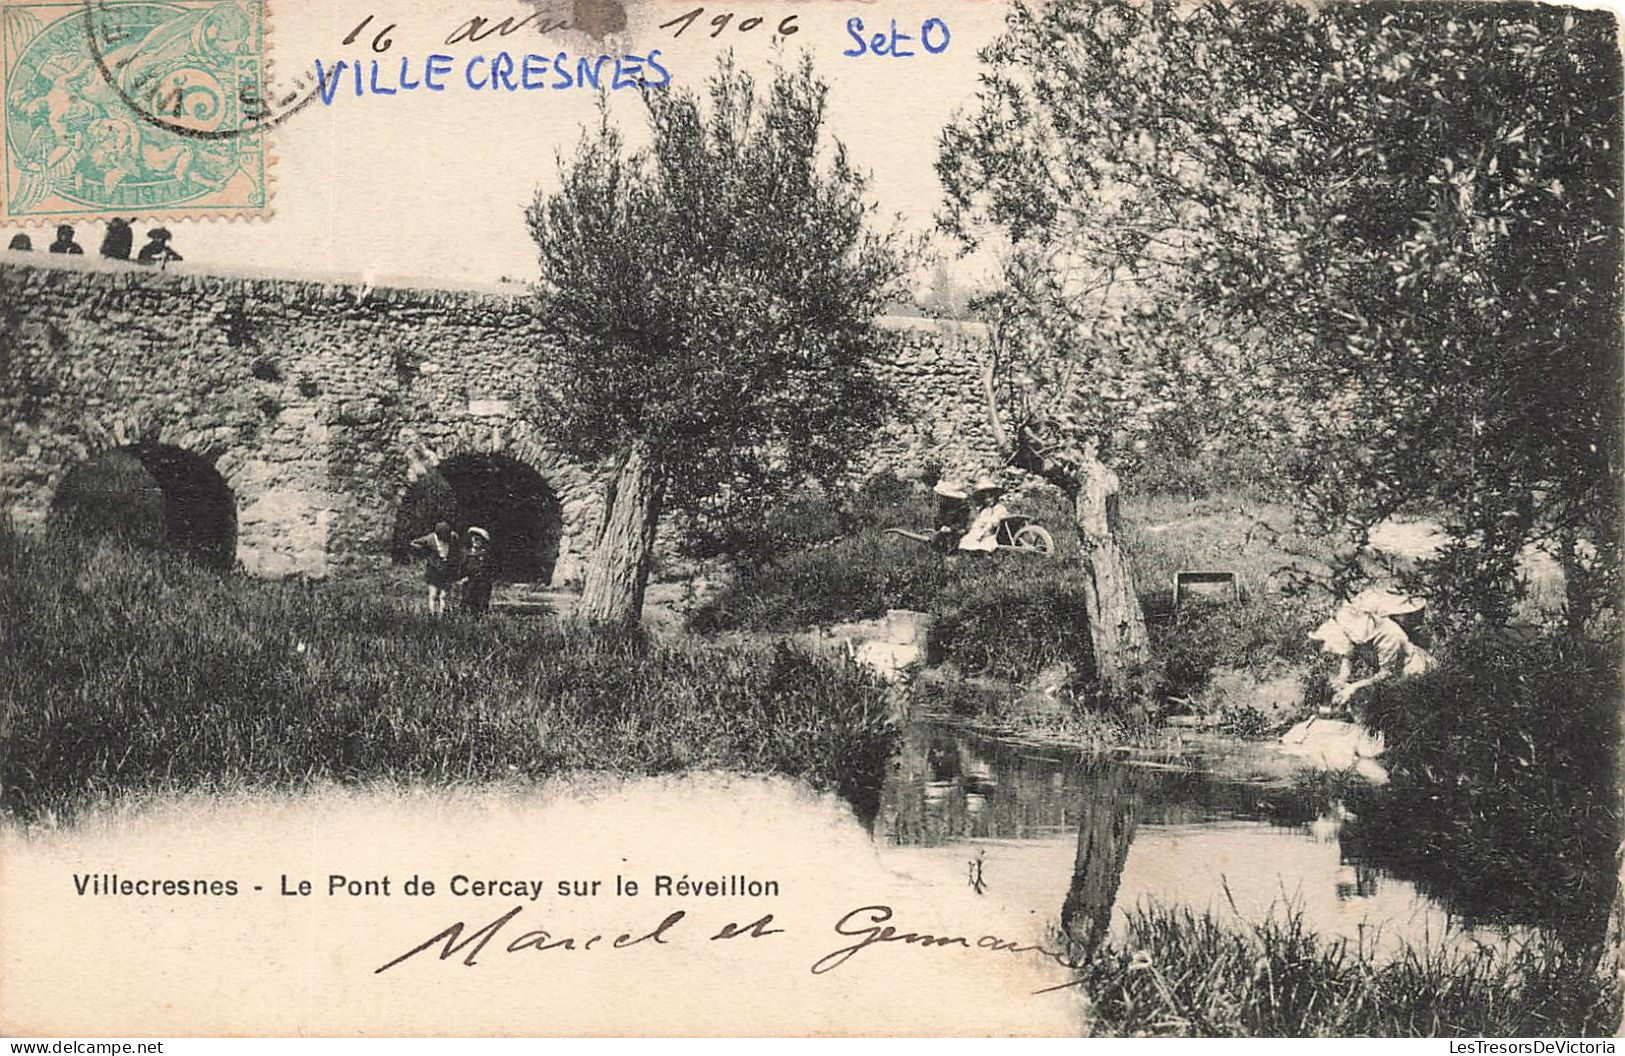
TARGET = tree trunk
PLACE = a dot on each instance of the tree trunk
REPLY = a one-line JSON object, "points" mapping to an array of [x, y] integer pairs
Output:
{"points": [[1111, 809], [1116, 620], [613, 590]]}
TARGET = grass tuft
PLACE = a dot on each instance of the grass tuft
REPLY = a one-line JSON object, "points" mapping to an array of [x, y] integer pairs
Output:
{"points": [[1181, 974]]}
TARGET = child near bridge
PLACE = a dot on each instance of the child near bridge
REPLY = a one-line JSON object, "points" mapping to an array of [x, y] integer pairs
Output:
{"points": [[443, 564]]}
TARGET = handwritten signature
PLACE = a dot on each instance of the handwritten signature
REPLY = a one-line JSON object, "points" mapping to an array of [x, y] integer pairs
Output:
{"points": [[869, 925]]}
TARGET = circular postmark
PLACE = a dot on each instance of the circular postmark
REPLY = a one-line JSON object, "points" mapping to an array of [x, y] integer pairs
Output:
{"points": [[189, 70]]}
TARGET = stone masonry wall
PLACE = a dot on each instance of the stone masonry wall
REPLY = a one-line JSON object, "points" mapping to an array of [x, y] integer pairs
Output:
{"points": [[320, 403], [938, 371]]}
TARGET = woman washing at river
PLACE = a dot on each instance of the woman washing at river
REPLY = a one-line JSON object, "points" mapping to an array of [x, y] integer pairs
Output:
{"points": [[1373, 619]]}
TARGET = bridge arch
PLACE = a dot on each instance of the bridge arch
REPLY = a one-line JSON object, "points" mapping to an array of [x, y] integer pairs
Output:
{"points": [[507, 497], [497, 452], [152, 494]]}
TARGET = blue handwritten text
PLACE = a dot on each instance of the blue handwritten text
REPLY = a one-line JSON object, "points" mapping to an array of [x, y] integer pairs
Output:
{"points": [[933, 37], [500, 72]]}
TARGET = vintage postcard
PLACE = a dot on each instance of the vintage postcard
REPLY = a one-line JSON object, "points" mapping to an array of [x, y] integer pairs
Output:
{"points": [[660, 517]]}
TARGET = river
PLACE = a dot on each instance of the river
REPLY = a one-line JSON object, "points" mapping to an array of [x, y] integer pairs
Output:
{"points": [[1221, 827]]}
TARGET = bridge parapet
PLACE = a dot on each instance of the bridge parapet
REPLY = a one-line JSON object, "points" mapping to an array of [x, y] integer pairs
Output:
{"points": [[320, 402]]}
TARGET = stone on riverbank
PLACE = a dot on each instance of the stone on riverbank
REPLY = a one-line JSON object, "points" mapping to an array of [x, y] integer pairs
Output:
{"points": [[890, 646]]}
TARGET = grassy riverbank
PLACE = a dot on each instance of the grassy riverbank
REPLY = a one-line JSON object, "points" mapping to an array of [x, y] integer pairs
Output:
{"points": [[1176, 973], [1009, 632], [125, 672], [1503, 806], [1002, 615]]}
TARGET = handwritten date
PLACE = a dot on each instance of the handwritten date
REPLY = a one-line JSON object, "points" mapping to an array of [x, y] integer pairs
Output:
{"points": [[787, 24]]}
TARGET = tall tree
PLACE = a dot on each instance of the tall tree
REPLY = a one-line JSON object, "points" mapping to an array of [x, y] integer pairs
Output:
{"points": [[1058, 449], [1397, 225], [712, 298]]}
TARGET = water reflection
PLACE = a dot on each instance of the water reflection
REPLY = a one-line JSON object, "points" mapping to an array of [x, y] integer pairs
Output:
{"points": [[1562, 881], [1109, 812], [948, 785], [1100, 835]]}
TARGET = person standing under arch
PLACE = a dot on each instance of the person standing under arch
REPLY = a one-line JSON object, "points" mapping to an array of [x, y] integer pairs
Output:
{"points": [[479, 572], [442, 565]]}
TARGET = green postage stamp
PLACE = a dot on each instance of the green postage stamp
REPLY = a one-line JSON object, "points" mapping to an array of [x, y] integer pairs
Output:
{"points": [[133, 107]]}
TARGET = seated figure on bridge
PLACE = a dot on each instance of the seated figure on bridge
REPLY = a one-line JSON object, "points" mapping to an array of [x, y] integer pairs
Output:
{"points": [[65, 242], [118, 240], [157, 250]]}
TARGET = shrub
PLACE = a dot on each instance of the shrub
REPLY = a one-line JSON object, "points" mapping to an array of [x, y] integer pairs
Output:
{"points": [[122, 671], [828, 559], [1504, 759], [1015, 623], [1004, 615], [814, 517], [852, 579], [1255, 634]]}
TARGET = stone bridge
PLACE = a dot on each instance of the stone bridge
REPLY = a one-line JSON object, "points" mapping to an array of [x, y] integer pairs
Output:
{"points": [[302, 427]]}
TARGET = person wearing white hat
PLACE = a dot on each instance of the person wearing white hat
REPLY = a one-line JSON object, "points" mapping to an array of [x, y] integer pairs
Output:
{"points": [[479, 572], [982, 535], [1371, 618]]}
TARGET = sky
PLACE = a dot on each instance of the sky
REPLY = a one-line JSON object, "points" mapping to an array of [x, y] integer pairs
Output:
{"points": [[431, 186]]}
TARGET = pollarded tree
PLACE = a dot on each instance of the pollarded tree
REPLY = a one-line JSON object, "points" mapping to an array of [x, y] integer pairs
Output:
{"points": [[712, 299], [1094, 341]]}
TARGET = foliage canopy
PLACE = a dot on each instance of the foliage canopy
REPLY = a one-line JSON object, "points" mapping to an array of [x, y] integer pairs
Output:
{"points": [[713, 294], [1379, 242]]}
